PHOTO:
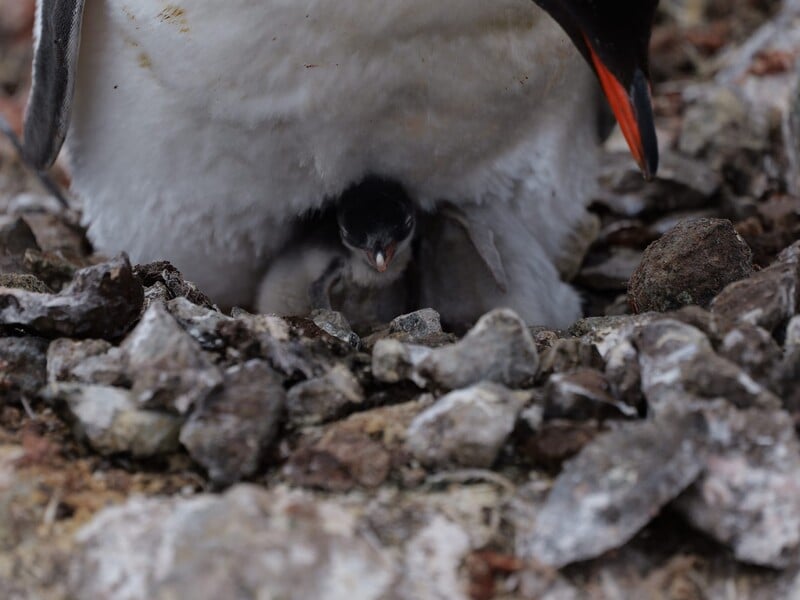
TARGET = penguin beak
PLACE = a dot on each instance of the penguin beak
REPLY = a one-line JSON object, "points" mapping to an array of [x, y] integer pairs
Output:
{"points": [[381, 258], [633, 109]]}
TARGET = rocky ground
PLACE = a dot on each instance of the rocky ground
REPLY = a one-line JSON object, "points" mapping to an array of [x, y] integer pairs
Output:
{"points": [[154, 447]]}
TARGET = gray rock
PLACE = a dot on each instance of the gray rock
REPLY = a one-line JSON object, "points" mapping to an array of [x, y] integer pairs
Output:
{"points": [[102, 301], [498, 349], [613, 488], [111, 422], [198, 321], [23, 366], [753, 349], [568, 354], [167, 366], [335, 324], [162, 272], [247, 543], [769, 298], [231, 428], [749, 494], [677, 364], [417, 327], [86, 361], [690, 264], [465, 428], [324, 398], [583, 394]]}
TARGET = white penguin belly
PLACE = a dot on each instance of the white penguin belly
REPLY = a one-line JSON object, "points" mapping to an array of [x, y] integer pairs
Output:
{"points": [[199, 129]]}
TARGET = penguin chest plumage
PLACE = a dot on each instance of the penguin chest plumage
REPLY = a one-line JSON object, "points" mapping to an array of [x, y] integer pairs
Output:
{"points": [[200, 129]]}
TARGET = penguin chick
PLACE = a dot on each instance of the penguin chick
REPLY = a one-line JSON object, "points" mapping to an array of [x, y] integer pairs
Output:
{"points": [[376, 221], [350, 258]]}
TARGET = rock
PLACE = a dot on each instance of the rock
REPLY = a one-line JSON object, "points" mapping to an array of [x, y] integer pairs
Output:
{"points": [[767, 299], [23, 366], [22, 281], [102, 301], [418, 327], [335, 324], [164, 273], [361, 450], [15, 237], [167, 366], [793, 332], [198, 321], [86, 361], [554, 442], [568, 354], [678, 364], [613, 488], [324, 398], [465, 428], [246, 543], [748, 496], [499, 349], [583, 394], [691, 264], [230, 430], [753, 349], [110, 420], [53, 269]]}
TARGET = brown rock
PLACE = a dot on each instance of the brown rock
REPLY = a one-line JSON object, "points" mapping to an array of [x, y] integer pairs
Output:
{"points": [[691, 264]]}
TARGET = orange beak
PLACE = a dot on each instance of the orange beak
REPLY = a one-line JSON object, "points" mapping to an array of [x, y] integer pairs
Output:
{"points": [[634, 113]]}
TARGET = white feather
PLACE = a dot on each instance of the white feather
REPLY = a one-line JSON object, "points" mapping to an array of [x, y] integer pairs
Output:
{"points": [[199, 129]]}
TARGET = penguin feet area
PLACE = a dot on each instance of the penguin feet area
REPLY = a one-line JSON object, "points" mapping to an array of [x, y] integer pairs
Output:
{"points": [[154, 446]]}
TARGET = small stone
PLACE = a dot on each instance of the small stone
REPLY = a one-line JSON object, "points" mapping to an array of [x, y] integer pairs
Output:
{"points": [[102, 301], [417, 327], [583, 394], [198, 321], [166, 274], [556, 442], [231, 429], [753, 349], [167, 366], [86, 361], [247, 543], [335, 324], [22, 281], [567, 355], [613, 488], [793, 332], [498, 349], [465, 428], [109, 419], [23, 366], [769, 298], [749, 494], [690, 264], [678, 364], [324, 398]]}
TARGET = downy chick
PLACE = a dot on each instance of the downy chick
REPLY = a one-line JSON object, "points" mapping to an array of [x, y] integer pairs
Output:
{"points": [[351, 258]]}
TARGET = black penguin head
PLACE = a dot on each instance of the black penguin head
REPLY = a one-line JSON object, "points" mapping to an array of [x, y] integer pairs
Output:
{"points": [[376, 220], [614, 38]]}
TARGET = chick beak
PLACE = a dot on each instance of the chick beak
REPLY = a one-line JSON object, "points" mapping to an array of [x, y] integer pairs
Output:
{"points": [[381, 258], [634, 112]]}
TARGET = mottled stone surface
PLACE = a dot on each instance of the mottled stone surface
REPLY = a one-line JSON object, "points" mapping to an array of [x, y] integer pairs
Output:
{"points": [[465, 428], [613, 488], [102, 301], [324, 398], [690, 264], [230, 430]]}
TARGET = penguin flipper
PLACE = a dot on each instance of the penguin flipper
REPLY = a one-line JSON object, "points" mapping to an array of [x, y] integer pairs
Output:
{"points": [[57, 37], [482, 239]]}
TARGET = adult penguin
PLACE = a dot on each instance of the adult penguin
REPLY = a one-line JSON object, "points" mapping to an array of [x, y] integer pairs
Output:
{"points": [[199, 130]]}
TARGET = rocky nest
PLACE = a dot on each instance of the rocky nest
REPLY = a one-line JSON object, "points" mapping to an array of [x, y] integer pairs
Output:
{"points": [[152, 446]]}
